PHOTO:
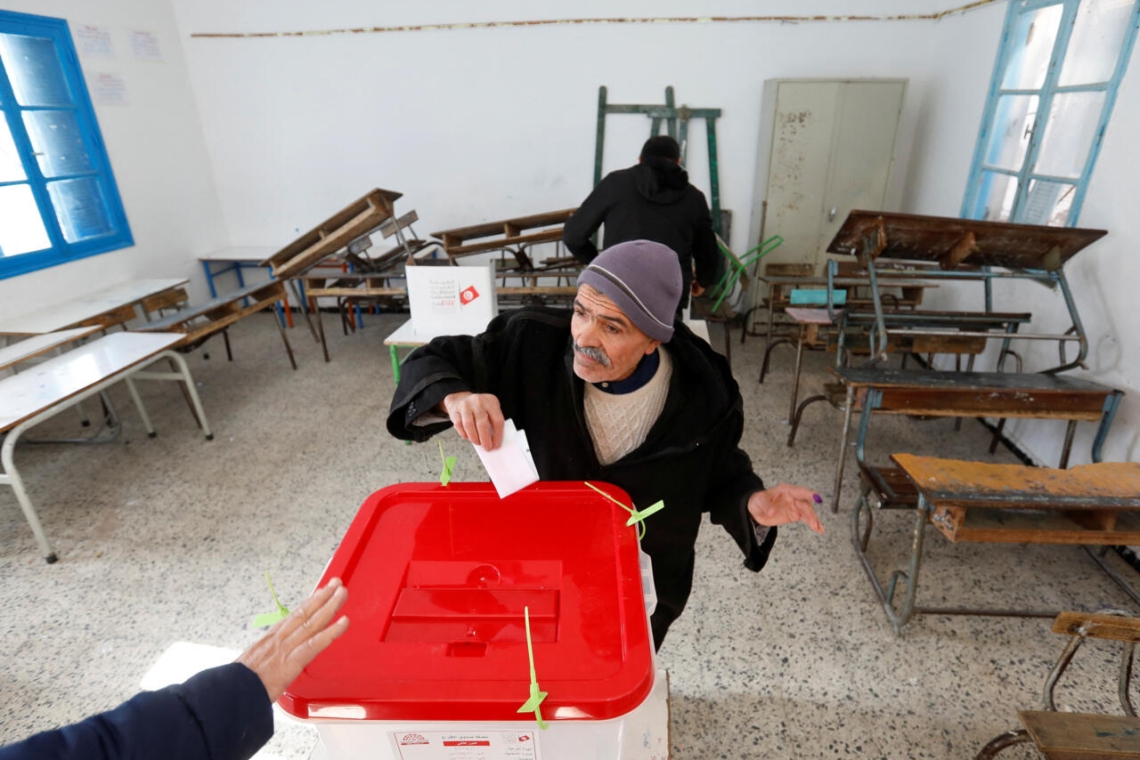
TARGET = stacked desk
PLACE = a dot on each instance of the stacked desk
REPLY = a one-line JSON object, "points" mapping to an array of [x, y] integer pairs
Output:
{"points": [[237, 260], [779, 300], [964, 249], [965, 394]]}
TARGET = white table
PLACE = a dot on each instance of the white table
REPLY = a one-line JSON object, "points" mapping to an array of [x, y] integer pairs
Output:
{"points": [[46, 389], [86, 306], [405, 336], [39, 345]]}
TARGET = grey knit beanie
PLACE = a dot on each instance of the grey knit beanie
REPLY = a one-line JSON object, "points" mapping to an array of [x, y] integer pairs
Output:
{"points": [[643, 279]]}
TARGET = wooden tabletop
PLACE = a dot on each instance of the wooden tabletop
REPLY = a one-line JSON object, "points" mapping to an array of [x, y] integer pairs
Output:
{"points": [[505, 226], [360, 217], [43, 385], [273, 290], [874, 377], [952, 482], [85, 306], [952, 241]]}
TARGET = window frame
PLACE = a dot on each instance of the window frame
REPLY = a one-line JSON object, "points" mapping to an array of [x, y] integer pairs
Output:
{"points": [[60, 251], [976, 199]]}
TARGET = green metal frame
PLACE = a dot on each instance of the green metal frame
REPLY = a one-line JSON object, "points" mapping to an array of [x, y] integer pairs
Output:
{"points": [[738, 265], [676, 121]]}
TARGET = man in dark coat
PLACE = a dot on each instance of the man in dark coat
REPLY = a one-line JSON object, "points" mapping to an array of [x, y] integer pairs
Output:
{"points": [[651, 200], [224, 713], [616, 392]]}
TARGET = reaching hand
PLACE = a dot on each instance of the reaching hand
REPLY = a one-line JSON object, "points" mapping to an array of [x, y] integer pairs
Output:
{"points": [[785, 504], [477, 417], [279, 656]]}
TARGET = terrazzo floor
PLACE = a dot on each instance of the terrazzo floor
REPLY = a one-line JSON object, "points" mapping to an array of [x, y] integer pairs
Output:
{"points": [[167, 540]]}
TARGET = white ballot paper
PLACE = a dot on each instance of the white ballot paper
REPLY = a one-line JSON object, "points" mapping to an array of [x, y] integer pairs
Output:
{"points": [[510, 466]]}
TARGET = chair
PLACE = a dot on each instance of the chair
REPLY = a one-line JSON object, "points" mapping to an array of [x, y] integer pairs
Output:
{"points": [[1088, 736], [720, 303]]}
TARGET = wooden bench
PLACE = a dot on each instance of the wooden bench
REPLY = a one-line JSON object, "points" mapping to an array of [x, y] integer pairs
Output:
{"points": [[1081, 736], [198, 324], [44, 390], [1091, 505], [508, 235]]}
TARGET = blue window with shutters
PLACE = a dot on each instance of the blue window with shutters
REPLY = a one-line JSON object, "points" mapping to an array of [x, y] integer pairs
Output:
{"points": [[1054, 84], [58, 198]]}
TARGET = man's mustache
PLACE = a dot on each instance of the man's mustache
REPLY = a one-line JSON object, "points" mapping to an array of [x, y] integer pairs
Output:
{"points": [[590, 352]]}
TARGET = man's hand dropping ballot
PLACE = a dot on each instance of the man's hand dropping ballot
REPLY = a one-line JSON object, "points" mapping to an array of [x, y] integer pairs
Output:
{"points": [[502, 448]]}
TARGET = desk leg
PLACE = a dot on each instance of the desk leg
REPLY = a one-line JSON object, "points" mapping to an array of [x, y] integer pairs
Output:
{"points": [[768, 336], [1111, 404], [321, 330], [848, 407], [922, 513], [241, 281], [188, 382], [142, 409], [860, 539], [181, 374], [209, 279], [285, 340], [298, 291], [394, 354], [799, 365], [11, 477]]}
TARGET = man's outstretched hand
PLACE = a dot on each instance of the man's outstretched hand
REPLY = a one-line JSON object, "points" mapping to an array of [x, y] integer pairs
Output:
{"points": [[785, 504], [279, 656]]}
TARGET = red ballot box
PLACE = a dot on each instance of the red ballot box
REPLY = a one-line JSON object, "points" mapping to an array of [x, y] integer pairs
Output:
{"points": [[436, 663]]}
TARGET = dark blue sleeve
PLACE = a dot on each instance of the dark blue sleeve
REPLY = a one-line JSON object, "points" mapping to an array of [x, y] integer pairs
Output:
{"points": [[220, 714]]}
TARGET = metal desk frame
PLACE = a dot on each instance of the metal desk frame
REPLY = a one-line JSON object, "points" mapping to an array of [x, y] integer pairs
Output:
{"points": [[137, 371], [924, 513], [874, 395]]}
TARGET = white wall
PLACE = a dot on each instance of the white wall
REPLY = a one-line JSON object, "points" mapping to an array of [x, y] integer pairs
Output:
{"points": [[479, 124], [157, 153]]}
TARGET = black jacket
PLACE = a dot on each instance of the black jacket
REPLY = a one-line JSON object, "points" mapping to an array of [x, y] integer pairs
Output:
{"points": [[690, 459], [650, 201], [220, 714]]}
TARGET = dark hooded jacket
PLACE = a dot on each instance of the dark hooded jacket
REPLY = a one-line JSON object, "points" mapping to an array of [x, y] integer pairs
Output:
{"points": [[652, 200], [691, 458]]}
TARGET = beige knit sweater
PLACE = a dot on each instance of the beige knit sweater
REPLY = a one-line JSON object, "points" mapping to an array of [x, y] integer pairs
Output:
{"points": [[618, 424]]}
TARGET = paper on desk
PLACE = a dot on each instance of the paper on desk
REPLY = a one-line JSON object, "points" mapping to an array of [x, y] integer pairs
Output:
{"points": [[510, 466]]}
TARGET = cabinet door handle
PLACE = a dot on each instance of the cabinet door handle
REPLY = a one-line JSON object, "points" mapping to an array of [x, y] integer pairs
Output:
{"points": [[831, 214]]}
